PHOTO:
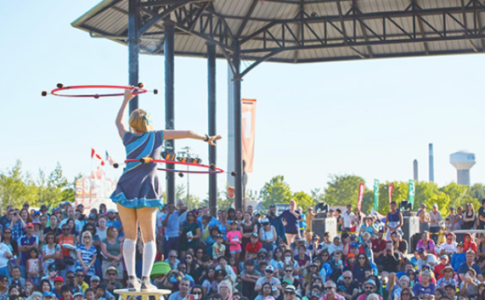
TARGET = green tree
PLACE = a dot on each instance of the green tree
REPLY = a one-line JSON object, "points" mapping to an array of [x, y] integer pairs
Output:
{"points": [[343, 190], [399, 193], [303, 199], [440, 198], [16, 187], [317, 196], [423, 192], [276, 191]]}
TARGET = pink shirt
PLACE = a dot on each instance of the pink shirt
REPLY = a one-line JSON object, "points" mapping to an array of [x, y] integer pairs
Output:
{"points": [[233, 237], [336, 297]]}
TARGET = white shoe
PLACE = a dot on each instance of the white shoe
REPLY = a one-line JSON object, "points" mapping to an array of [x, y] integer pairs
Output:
{"points": [[146, 285], [134, 284]]}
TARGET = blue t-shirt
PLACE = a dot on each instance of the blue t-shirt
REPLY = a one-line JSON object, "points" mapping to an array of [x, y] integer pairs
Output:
{"points": [[212, 223], [464, 267], [25, 241], [173, 225], [457, 259], [419, 289], [114, 223], [292, 225]]}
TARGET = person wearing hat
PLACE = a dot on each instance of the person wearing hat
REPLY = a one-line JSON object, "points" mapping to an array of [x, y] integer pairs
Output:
{"points": [[249, 276], [469, 285], [25, 243], [290, 293], [276, 221], [449, 246], [425, 259], [58, 283], [268, 277], [369, 287], [446, 278], [424, 289], [16, 224], [267, 235], [218, 249], [252, 248], [369, 226], [95, 282], [111, 284], [48, 296], [444, 262]]}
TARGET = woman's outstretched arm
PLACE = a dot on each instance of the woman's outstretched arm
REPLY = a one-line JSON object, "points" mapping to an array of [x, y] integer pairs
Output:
{"points": [[189, 134], [121, 113]]}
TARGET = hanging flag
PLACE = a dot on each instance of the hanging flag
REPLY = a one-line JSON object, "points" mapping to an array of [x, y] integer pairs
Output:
{"points": [[97, 157], [411, 192], [111, 161], [361, 196], [391, 188], [376, 194], [248, 110]]}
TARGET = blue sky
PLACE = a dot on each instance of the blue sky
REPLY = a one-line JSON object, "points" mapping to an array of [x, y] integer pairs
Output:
{"points": [[370, 118]]}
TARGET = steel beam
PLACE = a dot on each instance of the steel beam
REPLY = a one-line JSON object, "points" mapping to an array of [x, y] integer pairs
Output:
{"points": [[168, 2], [211, 88], [133, 47], [237, 128], [169, 103]]}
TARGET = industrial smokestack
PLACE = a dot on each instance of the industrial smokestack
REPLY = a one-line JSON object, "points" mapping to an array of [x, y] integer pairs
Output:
{"points": [[415, 168], [431, 163]]}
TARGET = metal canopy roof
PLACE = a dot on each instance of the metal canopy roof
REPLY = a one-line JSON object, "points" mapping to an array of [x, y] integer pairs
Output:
{"points": [[298, 31]]}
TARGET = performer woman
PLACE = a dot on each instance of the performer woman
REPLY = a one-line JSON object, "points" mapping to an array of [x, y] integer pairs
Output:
{"points": [[138, 192]]}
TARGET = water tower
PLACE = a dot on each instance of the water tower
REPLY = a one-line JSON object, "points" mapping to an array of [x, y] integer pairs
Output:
{"points": [[463, 162]]}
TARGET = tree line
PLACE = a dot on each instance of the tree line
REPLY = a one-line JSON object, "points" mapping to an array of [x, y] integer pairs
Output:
{"points": [[344, 189], [18, 186]]}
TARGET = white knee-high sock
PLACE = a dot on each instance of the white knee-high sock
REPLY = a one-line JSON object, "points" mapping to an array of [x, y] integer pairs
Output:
{"points": [[149, 253], [129, 248]]}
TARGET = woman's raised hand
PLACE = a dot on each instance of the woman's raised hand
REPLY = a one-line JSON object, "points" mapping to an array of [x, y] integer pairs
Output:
{"points": [[129, 95], [212, 139]]}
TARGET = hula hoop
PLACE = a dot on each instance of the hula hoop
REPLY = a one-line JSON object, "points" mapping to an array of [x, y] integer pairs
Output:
{"points": [[212, 168], [137, 90]]}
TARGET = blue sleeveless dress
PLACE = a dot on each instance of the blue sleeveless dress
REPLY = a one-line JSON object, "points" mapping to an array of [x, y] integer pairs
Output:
{"points": [[139, 185]]}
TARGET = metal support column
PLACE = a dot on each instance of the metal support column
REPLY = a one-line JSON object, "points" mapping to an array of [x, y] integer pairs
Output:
{"points": [[237, 129], [168, 51], [211, 66], [133, 46]]}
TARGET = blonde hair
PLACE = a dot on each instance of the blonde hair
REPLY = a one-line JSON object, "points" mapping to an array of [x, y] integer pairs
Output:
{"points": [[140, 121], [228, 283], [90, 236]]}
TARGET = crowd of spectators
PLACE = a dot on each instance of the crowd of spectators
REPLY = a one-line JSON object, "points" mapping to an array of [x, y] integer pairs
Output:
{"points": [[69, 253]]}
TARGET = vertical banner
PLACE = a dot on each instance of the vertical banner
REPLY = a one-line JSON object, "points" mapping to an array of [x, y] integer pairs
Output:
{"points": [[376, 194], [391, 188], [248, 110], [361, 195], [411, 192]]}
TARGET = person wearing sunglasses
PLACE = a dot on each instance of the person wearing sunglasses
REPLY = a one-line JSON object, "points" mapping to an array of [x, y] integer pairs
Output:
{"points": [[66, 238], [369, 287], [198, 293], [330, 292], [268, 277]]}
